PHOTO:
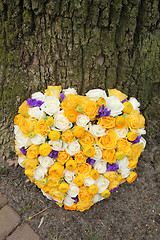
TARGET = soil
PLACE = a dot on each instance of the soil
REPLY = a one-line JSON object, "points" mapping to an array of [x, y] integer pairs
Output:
{"points": [[132, 212]]}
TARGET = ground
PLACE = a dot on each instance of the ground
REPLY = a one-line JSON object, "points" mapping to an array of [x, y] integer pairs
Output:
{"points": [[132, 212]]}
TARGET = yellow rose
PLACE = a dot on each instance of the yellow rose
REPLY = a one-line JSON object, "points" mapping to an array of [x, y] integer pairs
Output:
{"points": [[108, 141], [83, 170], [31, 164], [89, 151], [78, 180], [70, 102], [135, 120], [50, 121], [120, 122], [108, 155], [52, 181], [63, 157], [45, 149], [68, 136], [93, 189], [78, 131], [84, 195], [90, 108], [136, 150], [17, 119], [82, 206], [26, 126], [71, 115], [23, 109], [63, 187], [56, 170], [54, 135], [41, 128], [57, 195], [116, 93], [53, 91], [107, 122], [124, 145], [87, 139], [110, 175], [106, 193], [71, 165], [131, 177], [73, 207], [39, 184], [94, 174], [80, 157], [113, 184], [32, 151]]}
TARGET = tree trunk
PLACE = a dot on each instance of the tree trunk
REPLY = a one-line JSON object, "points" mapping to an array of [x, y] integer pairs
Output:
{"points": [[82, 44]]}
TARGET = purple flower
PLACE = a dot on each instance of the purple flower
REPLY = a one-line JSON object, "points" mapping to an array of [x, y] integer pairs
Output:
{"points": [[103, 112], [23, 151], [54, 200], [90, 161], [53, 154], [62, 95], [137, 140], [76, 199], [112, 167], [114, 189], [31, 102], [38, 103], [125, 100]]}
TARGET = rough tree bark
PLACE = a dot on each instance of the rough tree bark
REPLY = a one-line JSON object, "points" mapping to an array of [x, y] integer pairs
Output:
{"points": [[78, 43]]}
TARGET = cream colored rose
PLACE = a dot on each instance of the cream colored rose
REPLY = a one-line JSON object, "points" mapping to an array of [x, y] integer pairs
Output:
{"points": [[39, 173], [36, 112], [68, 201], [21, 140], [61, 122], [95, 94], [70, 91], [125, 172], [123, 163], [134, 103], [21, 160], [56, 145], [98, 154], [51, 105], [96, 130], [97, 198], [88, 182], [68, 175], [46, 161], [83, 120], [38, 96], [102, 184], [38, 139], [100, 166], [114, 104], [122, 133], [73, 190], [141, 131], [73, 148]]}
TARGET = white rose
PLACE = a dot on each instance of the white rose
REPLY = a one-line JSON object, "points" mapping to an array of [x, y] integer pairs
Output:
{"points": [[98, 154], [142, 140], [141, 131], [39, 173], [95, 94], [46, 195], [134, 103], [102, 184], [21, 140], [73, 190], [21, 160], [36, 112], [68, 201], [70, 91], [61, 122], [56, 145], [123, 163], [122, 133], [68, 175], [73, 148], [38, 139], [114, 104], [97, 198], [88, 182], [100, 166], [96, 130], [38, 96], [46, 161], [83, 120], [125, 172], [51, 105]]}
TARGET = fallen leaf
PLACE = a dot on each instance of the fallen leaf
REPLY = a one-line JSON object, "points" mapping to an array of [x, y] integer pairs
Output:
{"points": [[12, 162], [42, 220]]}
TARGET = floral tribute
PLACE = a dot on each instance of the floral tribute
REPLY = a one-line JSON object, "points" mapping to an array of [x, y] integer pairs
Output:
{"points": [[78, 149]]}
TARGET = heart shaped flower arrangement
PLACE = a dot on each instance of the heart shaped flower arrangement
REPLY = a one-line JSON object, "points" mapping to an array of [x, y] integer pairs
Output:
{"points": [[78, 149]]}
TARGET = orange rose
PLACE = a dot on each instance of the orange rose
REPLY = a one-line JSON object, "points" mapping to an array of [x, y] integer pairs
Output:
{"points": [[80, 157], [73, 207], [26, 126], [82, 206], [78, 131], [63, 157], [108, 155], [84, 195], [113, 184], [107, 122], [83, 170], [71, 115], [87, 139], [32, 151], [56, 170], [52, 181], [90, 108], [136, 150], [108, 141], [123, 145], [68, 136], [17, 119], [89, 151], [70, 102], [41, 128], [23, 109]]}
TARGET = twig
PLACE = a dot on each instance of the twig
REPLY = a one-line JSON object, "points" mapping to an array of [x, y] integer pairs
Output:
{"points": [[38, 213]]}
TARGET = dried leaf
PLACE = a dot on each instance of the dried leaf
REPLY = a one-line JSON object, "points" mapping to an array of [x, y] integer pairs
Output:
{"points": [[42, 219], [12, 162]]}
